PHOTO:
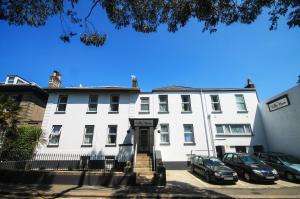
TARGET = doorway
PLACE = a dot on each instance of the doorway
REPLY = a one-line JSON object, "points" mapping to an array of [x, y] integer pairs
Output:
{"points": [[143, 145], [220, 152]]}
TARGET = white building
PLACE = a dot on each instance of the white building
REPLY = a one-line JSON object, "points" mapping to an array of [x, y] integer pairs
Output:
{"points": [[176, 121], [281, 117]]}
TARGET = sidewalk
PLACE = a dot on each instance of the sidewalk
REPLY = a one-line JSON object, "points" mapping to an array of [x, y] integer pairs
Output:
{"points": [[170, 191]]}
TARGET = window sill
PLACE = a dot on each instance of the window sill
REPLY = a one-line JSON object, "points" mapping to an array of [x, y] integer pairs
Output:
{"points": [[189, 144], [144, 112], [52, 145], [163, 112], [91, 112], [86, 145], [242, 111], [186, 112], [126, 144], [164, 144], [216, 112], [234, 135], [60, 112], [113, 112], [110, 145]]}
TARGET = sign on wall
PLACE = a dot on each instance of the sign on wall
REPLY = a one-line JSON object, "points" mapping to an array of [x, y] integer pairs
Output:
{"points": [[143, 122], [278, 103]]}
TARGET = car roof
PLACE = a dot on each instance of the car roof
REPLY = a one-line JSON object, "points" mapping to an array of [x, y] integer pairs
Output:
{"points": [[237, 153]]}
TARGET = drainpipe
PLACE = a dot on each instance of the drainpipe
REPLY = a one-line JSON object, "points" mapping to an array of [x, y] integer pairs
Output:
{"points": [[211, 135], [204, 118]]}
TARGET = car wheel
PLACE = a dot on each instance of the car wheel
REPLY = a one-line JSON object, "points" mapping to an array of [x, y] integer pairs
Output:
{"points": [[290, 176], [207, 177], [247, 176]]}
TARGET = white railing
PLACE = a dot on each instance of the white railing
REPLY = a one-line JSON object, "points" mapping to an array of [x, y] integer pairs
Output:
{"points": [[135, 152]]}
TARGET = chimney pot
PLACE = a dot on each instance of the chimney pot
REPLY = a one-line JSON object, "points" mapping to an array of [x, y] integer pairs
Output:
{"points": [[55, 80], [250, 84], [134, 81]]}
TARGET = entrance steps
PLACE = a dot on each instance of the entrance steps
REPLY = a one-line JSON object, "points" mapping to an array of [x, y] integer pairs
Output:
{"points": [[143, 169]]}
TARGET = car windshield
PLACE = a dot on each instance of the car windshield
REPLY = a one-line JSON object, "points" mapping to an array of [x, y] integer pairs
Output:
{"points": [[250, 159], [213, 162], [289, 159]]}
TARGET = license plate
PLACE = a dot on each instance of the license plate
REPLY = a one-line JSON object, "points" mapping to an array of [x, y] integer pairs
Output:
{"points": [[270, 177], [228, 178]]}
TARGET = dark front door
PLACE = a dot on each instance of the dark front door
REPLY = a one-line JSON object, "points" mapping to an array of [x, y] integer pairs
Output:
{"points": [[143, 145], [220, 152]]}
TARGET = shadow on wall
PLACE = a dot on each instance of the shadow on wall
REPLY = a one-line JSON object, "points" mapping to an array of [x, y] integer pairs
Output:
{"points": [[259, 136]]}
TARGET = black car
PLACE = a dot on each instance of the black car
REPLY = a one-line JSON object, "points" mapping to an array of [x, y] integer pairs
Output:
{"points": [[213, 169], [250, 167], [286, 165]]}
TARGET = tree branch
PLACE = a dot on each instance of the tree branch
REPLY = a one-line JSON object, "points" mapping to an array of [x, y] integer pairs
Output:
{"points": [[91, 10]]}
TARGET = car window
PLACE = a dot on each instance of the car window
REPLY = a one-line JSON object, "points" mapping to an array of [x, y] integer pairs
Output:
{"points": [[212, 162], [273, 159], [200, 160], [247, 159], [235, 159], [228, 157], [263, 157], [289, 159]]}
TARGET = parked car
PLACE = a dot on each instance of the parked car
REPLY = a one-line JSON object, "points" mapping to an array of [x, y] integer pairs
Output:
{"points": [[286, 165], [213, 169], [250, 167]]}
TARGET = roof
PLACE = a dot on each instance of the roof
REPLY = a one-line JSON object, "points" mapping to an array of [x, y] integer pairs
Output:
{"points": [[87, 89], [174, 88], [24, 87]]}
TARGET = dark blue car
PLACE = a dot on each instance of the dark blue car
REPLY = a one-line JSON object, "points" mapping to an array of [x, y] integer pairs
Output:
{"points": [[286, 165]]}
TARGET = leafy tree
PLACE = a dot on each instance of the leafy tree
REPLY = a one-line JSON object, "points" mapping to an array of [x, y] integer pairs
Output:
{"points": [[146, 15], [8, 115]]}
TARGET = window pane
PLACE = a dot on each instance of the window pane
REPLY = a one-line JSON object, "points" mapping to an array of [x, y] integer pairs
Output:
{"points": [[239, 98], [145, 100], [164, 138], [188, 137], [112, 139], [219, 129], [216, 107], [88, 139], [112, 129], [89, 129], [164, 128], [163, 98], [214, 98], [54, 139], [241, 107], [163, 107], [145, 107], [93, 99], [61, 107], [185, 98], [188, 128], [237, 129], [93, 107], [114, 107], [63, 99], [115, 99], [186, 107], [227, 129], [248, 129]]}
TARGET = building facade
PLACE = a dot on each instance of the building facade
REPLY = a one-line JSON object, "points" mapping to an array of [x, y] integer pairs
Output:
{"points": [[178, 121], [281, 117]]}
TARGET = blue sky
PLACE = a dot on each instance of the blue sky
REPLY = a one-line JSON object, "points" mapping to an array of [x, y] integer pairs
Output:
{"points": [[188, 57]]}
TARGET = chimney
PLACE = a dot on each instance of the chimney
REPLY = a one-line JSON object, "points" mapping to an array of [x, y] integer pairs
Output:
{"points": [[298, 80], [249, 84], [55, 80], [134, 81]]}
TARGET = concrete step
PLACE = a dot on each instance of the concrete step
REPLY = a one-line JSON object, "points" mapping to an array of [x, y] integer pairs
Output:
{"points": [[142, 169], [143, 166], [145, 173], [143, 158]]}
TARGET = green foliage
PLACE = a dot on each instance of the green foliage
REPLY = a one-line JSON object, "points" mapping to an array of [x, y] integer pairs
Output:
{"points": [[8, 115], [22, 145], [146, 15]]}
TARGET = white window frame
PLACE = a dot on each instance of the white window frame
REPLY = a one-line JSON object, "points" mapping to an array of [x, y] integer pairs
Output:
{"points": [[165, 133], [11, 80], [108, 160], [244, 103], [109, 134], [93, 103], [62, 103], [143, 103], [193, 136], [85, 134], [54, 134], [114, 103], [188, 103], [245, 127], [166, 103], [217, 102]]}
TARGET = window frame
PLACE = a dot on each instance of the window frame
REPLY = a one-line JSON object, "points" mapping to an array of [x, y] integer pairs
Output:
{"points": [[244, 103], [224, 126], [11, 80], [192, 133], [85, 133], [51, 135], [109, 134], [143, 103], [189, 103], [163, 103], [62, 103], [215, 102], [93, 103], [165, 133], [114, 103]]}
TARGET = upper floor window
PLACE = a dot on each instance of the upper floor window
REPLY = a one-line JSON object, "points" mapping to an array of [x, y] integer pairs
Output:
{"points": [[233, 129], [62, 103], [186, 103], [163, 103], [188, 133], [145, 104], [164, 134], [215, 103], [88, 135], [114, 103], [112, 135], [11, 80], [240, 102], [55, 135], [93, 103]]}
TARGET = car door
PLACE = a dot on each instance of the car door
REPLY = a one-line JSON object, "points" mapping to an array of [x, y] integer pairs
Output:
{"points": [[276, 164], [237, 164], [201, 167], [228, 160]]}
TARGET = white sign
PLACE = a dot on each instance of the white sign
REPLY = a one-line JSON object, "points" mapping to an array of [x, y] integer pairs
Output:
{"points": [[279, 103]]}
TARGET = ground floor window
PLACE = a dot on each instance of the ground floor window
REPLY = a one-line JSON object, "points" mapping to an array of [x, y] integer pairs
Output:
{"points": [[164, 134], [188, 133], [112, 135], [241, 149], [55, 135], [109, 162]]}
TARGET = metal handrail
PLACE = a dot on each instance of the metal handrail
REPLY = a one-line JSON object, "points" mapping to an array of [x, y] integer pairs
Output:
{"points": [[154, 159], [135, 153]]}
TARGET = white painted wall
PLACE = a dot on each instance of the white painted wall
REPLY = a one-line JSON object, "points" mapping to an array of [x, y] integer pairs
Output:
{"points": [[283, 125]]}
